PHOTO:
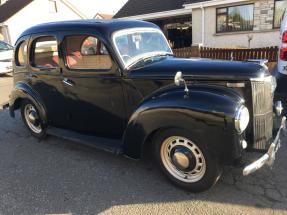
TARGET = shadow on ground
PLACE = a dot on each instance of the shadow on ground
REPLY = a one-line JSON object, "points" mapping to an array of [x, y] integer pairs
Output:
{"points": [[57, 176]]}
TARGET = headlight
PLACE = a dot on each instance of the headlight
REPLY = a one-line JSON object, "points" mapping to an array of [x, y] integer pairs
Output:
{"points": [[241, 119]]}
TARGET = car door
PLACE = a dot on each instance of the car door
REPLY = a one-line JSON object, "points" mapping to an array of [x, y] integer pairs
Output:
{"points": [[93, 88], [45, 76]]}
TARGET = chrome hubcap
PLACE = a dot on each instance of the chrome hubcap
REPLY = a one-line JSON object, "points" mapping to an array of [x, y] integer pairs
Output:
{"points": [[32, 118], [183, 159], [180, 160]]}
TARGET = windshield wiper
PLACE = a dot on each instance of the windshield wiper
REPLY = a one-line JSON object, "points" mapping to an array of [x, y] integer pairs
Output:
{"points": [[146, 59], [165, 54], [140, 60]]}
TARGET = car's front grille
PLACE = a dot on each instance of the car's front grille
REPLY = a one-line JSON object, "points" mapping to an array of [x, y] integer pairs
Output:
{"points": [[262, 99]]}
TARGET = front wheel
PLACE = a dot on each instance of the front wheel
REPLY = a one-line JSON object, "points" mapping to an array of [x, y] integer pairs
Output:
{"points": [[186, 163], [32, 119]]}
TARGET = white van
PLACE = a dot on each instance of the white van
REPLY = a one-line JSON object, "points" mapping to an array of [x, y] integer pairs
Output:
{"points": [[281, 72], [6, 55], [282, 61]]}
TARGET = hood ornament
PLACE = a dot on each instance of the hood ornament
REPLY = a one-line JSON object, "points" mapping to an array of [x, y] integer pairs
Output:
{"points": [[178, 80]]}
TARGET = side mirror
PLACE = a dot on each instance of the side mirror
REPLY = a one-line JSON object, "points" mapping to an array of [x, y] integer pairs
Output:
{"points": [[178, 79]]}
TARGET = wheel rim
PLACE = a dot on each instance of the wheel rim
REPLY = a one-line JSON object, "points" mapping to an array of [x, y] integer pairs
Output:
{"points": [[183, 159], [32, 118]]}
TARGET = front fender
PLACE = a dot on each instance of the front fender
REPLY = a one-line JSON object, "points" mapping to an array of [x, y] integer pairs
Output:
{"points": [[206, 111], [23, 91]]}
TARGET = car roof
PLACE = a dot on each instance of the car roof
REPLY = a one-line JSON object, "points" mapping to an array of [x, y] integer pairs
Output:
{"points": [[106, 26]]}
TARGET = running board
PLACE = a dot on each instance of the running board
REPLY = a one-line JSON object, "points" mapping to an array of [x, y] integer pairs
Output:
{"points": [[109, 145]]}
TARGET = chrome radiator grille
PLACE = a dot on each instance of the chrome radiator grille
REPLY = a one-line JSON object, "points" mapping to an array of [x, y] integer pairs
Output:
{"points": [[262, 100]]}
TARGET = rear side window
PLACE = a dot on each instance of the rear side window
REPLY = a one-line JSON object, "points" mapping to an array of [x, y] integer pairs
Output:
{"points": [[87, 53], [45, 53], [21, 54]]}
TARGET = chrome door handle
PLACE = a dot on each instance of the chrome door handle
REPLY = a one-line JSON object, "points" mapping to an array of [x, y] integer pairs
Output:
{"points": [[68, 82]]}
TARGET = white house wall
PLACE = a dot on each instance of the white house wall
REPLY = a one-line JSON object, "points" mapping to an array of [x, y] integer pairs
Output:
{"points": [[35, 13], [261, 38], [196, 26]]}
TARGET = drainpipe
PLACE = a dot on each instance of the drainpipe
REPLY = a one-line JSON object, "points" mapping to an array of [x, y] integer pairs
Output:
{"points": [[202, 24]]}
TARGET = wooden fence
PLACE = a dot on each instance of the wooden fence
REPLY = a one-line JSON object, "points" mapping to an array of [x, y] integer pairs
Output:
{"points": [[187, 52], [269, 53]]}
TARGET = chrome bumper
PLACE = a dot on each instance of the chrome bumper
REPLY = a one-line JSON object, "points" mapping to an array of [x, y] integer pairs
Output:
{"points": [[269, 157]]}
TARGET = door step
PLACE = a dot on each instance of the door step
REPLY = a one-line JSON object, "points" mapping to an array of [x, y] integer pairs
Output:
{"points": [[109, 145]]}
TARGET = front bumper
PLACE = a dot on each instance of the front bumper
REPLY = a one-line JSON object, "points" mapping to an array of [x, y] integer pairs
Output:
{"points": [[269, 157]]}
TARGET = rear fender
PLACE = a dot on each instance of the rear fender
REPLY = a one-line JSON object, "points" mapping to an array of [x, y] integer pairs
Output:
{"points": [[23, 91]]}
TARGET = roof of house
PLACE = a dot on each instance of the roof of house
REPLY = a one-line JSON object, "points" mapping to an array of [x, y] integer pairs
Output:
{"points": [[74, 9], [11, 7], [104, 16], [139, 7], [195, 1]]}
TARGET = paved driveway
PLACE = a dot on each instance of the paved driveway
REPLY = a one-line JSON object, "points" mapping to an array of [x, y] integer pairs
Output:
{"points": [[56, 176]]}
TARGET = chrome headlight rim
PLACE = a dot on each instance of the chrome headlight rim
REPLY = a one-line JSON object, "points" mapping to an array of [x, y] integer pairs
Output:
{"points": [[241, 119]]}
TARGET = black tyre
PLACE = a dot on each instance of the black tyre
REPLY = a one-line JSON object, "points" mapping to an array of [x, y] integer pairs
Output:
{"points": [[186, 161], [32, 119]]}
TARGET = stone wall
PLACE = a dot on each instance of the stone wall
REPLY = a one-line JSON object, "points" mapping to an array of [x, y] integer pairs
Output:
{"points": [[263, 15]]}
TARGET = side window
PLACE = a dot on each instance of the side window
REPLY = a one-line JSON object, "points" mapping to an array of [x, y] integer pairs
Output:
{"points": [[45, 52], [21, 54], [87, 53]]}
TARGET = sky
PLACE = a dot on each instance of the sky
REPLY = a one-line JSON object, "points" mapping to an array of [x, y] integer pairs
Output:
{"points": [[91, 7]]}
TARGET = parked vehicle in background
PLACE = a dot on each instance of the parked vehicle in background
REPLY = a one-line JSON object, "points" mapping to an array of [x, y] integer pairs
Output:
{"points": [[281, 72], [117, 86], [6, 56]]}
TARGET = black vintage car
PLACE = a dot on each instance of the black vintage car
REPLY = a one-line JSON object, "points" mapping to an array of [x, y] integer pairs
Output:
{"points": [[117, 86]]}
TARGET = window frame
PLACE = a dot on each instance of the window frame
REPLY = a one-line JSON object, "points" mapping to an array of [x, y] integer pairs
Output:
{"points": [[33, 48], [87, 71], [274, 13], [16, 54], [226, 13]]}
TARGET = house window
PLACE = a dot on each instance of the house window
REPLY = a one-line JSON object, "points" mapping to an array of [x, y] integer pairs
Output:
{"points": [[280, 6], [235, 18]]}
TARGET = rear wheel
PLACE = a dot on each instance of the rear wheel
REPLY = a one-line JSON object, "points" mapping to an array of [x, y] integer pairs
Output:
{"points": [[187, 164], [32, 119]]}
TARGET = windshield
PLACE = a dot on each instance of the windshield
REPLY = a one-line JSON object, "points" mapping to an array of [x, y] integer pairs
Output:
{"points": [[139, 43]]}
